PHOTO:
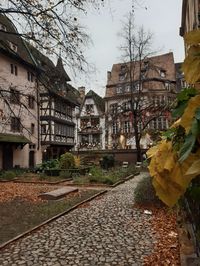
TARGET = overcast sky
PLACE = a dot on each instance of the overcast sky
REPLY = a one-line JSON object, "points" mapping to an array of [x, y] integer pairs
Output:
{"points": [[161, 17]]}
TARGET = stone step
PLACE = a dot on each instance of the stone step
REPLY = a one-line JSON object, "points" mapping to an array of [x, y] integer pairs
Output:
{"points": [[57, 193]]}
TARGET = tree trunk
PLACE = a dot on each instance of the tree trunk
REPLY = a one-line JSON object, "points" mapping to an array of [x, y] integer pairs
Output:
{"points": [[137, 139]]}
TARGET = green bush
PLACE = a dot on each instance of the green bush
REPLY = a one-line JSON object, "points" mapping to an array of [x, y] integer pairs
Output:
{"points": [[46, 165], [8, 175], [67, 161], [145, 193], [107, 161], [65, 174]]}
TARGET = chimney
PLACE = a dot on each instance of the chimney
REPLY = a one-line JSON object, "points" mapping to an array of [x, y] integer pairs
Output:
{"points": [[108, 75], [82, 92]]}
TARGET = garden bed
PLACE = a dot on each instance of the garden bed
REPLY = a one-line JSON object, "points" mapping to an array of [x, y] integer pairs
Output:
{"points": [[100, 177], [21, 209]]}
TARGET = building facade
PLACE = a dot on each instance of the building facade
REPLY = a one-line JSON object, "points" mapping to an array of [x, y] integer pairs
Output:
{"points": [[58, 100], [36, 103], [19, 115], [151, 93], [91, 123]]}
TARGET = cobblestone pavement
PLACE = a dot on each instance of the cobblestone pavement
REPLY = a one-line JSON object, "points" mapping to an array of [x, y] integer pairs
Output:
{"points": [[107, 231]]}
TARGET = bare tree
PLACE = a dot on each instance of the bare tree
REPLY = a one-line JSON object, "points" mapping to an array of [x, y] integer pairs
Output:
{"points": [[137, 50], [52, 26]]}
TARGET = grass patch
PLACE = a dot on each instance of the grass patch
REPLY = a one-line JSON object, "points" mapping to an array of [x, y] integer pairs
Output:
{"points": [[18, 215]]}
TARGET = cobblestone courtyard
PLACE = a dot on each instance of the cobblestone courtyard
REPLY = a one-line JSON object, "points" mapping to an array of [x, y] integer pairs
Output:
{"points": [[106, 231]]}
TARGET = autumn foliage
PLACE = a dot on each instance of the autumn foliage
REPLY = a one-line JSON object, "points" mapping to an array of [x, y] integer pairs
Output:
{"points": [[175, 160]]}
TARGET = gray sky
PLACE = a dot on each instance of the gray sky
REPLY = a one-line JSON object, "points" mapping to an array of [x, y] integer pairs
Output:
{"points": [[162, 18]]}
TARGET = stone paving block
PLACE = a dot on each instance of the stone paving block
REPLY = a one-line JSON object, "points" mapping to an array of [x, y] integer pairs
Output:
{"points": [[58, 193]]}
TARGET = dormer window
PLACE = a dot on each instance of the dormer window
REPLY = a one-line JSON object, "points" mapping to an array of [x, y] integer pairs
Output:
{"points": [[2, 27], [122, 76], [13, 46], [123, 72], [163, 73]]}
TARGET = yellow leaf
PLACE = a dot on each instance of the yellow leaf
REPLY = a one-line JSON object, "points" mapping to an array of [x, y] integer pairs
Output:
{"points": [[176, 123], [191, 65], [192, 37], [187, 117], [169, 175], [194, 168], [152, 151]]}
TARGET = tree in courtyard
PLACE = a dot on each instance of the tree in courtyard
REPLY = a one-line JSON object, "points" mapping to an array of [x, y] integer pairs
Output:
{"points": [[136, 50]]}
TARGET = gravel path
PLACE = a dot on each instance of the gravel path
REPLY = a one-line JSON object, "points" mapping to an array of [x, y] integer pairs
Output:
{"points": [[107, 231]]}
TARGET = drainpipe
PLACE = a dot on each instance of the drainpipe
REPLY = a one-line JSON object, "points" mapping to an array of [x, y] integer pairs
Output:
{"points": [[38, 113]]}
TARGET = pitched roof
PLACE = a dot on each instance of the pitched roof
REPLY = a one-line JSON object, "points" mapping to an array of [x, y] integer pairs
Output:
{"points": [[164, 62], [11, 36], [61, 71], [52, 77], [99, 102]]}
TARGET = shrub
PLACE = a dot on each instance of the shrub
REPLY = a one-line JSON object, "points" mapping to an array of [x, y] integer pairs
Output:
{"points": [[8, 175], [145, 193], [67, 161], [110, 179], [107, 161], [65, 174], [50, 164], [96, 174]]}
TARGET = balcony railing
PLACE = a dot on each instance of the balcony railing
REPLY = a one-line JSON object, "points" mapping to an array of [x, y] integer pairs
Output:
{"points": [[90, 130]]}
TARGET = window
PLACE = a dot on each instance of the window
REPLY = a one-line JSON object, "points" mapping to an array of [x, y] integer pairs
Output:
{"points": [[15, 124], [123, 68], [13, 46], [13, 69], [31, 101], [69, 112], [126, 127], [32, 128], [119, 90], [163, 73], [43, 129], [183, 83], [127, 88], [2, 27], [30, 76], [32, 146], [160, 123], [127, 106], [89, 108], [167, 86], [113, 108], [122, 76], [115, 128], [14, 96], [138, 86]]}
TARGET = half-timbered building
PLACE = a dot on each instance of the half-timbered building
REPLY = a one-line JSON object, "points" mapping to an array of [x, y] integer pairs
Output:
{"points": [[91, 123], [58, 100]]}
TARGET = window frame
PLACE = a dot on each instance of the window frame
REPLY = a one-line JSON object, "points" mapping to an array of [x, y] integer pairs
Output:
{"points": [[15, 124]]}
